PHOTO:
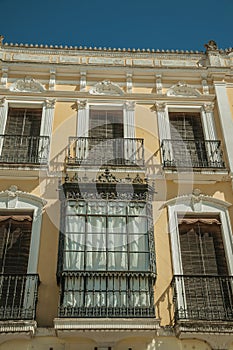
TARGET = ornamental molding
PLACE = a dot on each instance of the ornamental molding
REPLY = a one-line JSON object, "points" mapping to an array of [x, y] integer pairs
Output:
{"points": [[195, 199], [159, 106], [183, 89], [106, 87], [130, 105], [50, 103], [13, 194], [208, 107], [27, 84], [79, 104]]}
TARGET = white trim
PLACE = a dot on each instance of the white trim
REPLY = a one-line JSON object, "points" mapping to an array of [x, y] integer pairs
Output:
{"points": [[199, 205], [16, 200]]}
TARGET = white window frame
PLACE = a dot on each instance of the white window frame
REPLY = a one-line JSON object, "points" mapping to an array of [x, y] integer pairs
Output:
{"points": [[46, 117], [18, 201], [199, 205]]}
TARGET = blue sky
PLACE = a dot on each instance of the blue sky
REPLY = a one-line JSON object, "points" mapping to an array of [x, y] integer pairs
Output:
{"points": [[177, 24]]}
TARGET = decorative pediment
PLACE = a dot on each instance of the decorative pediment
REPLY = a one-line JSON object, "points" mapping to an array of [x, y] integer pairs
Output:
{"points": [[195, 199], [12, 195], [183, 89], [106, 87], [27, 84]]}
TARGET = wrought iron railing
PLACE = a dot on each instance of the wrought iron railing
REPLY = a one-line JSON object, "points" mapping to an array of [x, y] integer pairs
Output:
{"points": [[99, 151], [208, 298], [105, 295], [192, 154], [18, 296], [24, 149]]}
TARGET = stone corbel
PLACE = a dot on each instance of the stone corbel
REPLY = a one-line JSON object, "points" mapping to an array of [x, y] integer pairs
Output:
{"points": [[158, 84], [49, 103], [129, 83], [52, 80], [83, 80], [130, 105], [79, 104], [4, 77], [205, 86]]}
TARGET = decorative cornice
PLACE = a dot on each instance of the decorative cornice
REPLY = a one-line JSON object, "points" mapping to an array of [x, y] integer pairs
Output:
{"points": [[106, 87], [183, 89], [27, 84]]}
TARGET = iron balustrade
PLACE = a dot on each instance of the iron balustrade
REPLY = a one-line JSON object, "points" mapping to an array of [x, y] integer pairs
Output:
{"points": [[24, 149], [102, 295], [103, 151], [18, 296], [192, 154], [198, 297]]}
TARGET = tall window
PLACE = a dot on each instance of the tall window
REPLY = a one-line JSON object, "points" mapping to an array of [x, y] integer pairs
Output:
{"points": [[15, 238], [187, 139], [21, 140], [106, 132], [107, 266], [207, 290]]}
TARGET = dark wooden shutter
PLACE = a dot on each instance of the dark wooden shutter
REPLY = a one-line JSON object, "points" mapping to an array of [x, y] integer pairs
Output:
{"points": [[106, 132], [15, 238], [203, 263], [188, 127]]}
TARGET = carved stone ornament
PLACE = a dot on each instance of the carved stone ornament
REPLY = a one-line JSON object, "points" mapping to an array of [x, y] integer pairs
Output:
{"points": [[1, 39], [211, 46], [27, 84], [183, 89], [13, 194], [106, 87], [79, 104]]}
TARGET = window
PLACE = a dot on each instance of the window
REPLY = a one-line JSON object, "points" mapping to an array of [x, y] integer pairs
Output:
{"points": [[187, 139], [106, 135], [21, 141], [107, 258], [207, 288], [25, 131], [16, 287], [20, 225], [201, 241]]}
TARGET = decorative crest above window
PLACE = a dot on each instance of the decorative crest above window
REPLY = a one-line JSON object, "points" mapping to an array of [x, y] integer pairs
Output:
{"points": [[27, 84], [183, 89], [106, 87]]}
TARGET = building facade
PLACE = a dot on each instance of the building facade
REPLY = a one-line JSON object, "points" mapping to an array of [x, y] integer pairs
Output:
{"points": [[116, 196]]}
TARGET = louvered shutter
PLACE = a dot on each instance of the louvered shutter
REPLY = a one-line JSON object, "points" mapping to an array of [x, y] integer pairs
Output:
{"points": [[187, 127]]}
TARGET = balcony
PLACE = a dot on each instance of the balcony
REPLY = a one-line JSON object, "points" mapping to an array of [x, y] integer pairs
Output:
{"points": [[195, 154], [105, 295], [24, 150], [18, 296], [120, 152], [203, 298]]}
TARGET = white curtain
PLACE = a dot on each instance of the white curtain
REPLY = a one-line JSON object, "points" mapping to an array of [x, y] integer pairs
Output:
{"points": [[96, 243], [74, 291]]}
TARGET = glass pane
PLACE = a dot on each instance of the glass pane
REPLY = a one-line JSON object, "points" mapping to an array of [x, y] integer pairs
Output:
{"points": [[96, 242], [116, 224], [139, 261], [117, 261], [75, 224], [73, 260], [74, 241], [137, 208], [96, 260], [117, 242], [76, 207], [117, 208], [138, 243], [96, 224], [137, 224], [98, 208]]}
